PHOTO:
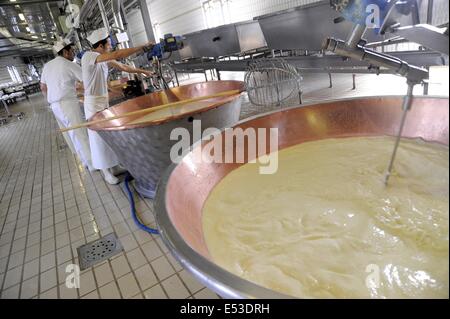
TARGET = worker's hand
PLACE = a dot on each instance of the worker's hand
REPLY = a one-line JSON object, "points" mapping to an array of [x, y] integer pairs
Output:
{"points": [[148, 47], [147, 73]]}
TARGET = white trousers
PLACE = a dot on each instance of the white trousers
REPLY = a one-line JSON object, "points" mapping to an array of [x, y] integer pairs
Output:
{"points": [[103, 156], [68, 113]]}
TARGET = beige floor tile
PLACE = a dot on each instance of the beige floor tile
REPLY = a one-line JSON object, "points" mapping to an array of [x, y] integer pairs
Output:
{"points": [[48, 279], [33, 239], [175, 288], [162, 268], [193, 284], [121, 229], [16, 259], [30, 288], [62, 240], [12, 277], [136, 258], [47, 246], [206, 294], [48, 261], [11, 293], [31, 269], [151, 250], [32, 252], [145, 277], [156, 292], [103, 274], [87, 283], [64, 254], [128, 286], [67, 293], [49, 294], [128, 242], [120, 266], [174, 262], [110, 291], [142, 237], [19, 244], [93, 295]]}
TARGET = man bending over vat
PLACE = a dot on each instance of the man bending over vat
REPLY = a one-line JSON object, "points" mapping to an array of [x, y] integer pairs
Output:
{"points": [[95, 66]]}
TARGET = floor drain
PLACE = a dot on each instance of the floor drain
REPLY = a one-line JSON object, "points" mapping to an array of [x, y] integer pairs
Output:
{"points": [[99, 250]]}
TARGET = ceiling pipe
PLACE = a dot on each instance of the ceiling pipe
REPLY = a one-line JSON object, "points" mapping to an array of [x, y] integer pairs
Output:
{"points": [[23, 2]]}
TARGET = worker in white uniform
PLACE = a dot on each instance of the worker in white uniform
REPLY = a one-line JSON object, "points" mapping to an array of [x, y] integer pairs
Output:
{"points": [[58, 82], [94, 66]]}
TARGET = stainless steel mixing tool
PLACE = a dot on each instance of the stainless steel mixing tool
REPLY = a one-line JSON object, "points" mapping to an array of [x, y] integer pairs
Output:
{"points": [[272, 81]]}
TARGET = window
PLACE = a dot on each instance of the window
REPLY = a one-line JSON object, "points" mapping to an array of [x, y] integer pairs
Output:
{"points": [[32, 72], [216, 12], [157, 32], [14, 74]]}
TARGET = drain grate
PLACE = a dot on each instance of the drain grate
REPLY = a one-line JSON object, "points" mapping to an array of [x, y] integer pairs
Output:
{"points": [[99, 250]]}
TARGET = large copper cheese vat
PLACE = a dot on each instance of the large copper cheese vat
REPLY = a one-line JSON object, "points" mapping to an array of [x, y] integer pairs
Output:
{"points": [[144, 149], [185, 187]]}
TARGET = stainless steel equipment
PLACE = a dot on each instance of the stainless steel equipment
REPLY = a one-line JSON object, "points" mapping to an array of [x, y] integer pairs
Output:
{"points": [[354, 47], [223, 40], [270, 82], [305, 27]]}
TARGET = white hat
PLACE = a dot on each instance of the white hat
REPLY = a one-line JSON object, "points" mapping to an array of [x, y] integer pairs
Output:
{"points": [[59, 45], [98, 35]]}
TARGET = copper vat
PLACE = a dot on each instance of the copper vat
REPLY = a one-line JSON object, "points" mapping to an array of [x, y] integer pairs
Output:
{"points": [[144, 148], [185, 187]]}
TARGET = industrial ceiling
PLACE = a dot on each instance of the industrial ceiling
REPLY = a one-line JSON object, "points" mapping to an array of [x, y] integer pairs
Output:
{"points": [[28, 27]]}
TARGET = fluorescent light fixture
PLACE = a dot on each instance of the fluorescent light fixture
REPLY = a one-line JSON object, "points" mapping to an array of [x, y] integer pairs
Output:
{"points": [[21, 16], [12, 0], [28, 29], [34, 37]]}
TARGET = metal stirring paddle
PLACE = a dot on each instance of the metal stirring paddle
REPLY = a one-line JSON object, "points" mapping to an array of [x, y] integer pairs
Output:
{"points": [[407, 101]]}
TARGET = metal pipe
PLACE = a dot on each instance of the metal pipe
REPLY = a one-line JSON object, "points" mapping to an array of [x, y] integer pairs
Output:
{"points": [[430, 12], [147, 20], [116, 8], [356, 35], [407, 102], [19, 2], [102, 10], [125, 23], [75, 33], [55, 21], [86, 9], [413, 73]]}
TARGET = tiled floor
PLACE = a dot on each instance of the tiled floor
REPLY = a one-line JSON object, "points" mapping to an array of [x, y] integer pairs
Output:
{"points": [[50, 205]]}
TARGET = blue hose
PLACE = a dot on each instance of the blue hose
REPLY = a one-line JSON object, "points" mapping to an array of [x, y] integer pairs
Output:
{"points": [[133, 209]]}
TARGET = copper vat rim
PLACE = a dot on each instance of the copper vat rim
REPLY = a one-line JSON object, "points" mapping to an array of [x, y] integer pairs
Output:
{"points": [[222, 101]]}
